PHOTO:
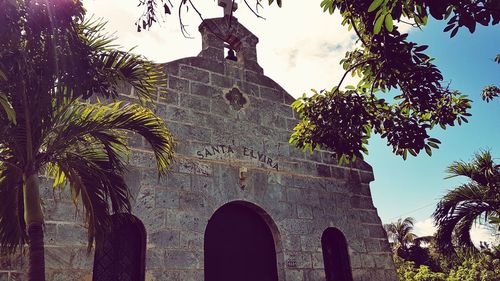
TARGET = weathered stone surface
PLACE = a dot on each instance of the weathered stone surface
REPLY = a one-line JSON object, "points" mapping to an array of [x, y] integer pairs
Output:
{"points": [[175, 259], [298, 195]]}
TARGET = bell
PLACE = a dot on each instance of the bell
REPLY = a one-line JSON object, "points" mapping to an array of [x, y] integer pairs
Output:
{"points": [[231, 56]]}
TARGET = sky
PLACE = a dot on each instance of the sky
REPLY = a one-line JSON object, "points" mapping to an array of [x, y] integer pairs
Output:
{"points": [[300, 47]]}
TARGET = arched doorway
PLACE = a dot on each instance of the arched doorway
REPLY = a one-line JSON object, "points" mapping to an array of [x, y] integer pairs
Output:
{"points": [[239, 246], [335, 255], [121, 253]]}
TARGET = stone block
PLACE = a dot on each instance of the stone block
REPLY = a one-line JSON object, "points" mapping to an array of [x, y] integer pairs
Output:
{"points": [[142, 159], [294, 275], [311, 243], [383, 261], [377, 275], [69, 275], [304, 212], [220, 80], [210, 65], [317, 260], [82, 259], [172, 68], [160, 275], [372, 245], [194, 201], [4, 276], [71, 234], [183, 220], [178, 114], [168, 97], [292, 242], [248, 88], [366, 177], [368, 216], [58, 257], [302, 196], [288, 98], [165, 238], [204, 90], [233, 70], [271, 94], [192, 240], [153, 219], [194, 74], [323, 171], [367, 261], [178, 84], [194, 167], [376, 231], [49, 234], [189, 132], [355, 260], [298, 260], [221, 107], [155, 258], [314, 275], [361, 275], [190, 275], [298, 226], [176, 259], [195, 102], [60, 210], [339, 173], [257, 78]]}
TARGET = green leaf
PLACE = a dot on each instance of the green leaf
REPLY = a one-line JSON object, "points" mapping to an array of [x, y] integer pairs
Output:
{"points": [[374, 5], [389, 24], [433, 145], [434, 140], [428, 150], [7, 107], [2, 76], [378, 24]]}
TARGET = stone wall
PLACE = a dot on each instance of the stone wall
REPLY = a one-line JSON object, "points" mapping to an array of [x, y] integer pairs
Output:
{"points": [[232, 124]]}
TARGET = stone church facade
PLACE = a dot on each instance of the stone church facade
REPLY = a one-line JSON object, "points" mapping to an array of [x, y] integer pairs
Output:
{"points": [[232, 124]]}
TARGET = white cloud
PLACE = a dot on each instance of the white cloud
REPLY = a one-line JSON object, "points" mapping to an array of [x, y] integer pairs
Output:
{"points": [[478, 232], [300, 47], [425, 227]]}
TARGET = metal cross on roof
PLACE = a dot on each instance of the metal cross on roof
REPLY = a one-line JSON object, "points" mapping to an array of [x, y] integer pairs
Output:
{"points": [[228, 5]]}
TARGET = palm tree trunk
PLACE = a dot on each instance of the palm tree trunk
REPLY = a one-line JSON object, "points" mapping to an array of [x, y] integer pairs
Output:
{"points": [[33, 217], [36, 252]]}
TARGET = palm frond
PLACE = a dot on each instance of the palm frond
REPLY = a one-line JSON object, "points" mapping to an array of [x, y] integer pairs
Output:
{"points": [[113, 66], [12, 235], [103, 124], [456, 213], [481, 169], [95, 181]]}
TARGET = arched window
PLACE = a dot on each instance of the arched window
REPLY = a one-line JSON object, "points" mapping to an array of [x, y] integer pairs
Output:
{"points": [[239, 246], [121, 254], [335, 255]]}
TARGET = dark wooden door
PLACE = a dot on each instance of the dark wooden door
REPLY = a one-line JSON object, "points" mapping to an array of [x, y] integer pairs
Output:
{"points": [[239, 246], [335, 256]]}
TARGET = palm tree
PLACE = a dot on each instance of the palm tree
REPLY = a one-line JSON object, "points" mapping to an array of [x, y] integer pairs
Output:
{"points": [[401, 235], [51, 59], [460, 208]]}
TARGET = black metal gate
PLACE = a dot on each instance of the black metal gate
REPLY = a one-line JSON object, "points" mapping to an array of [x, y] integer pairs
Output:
{"points": [[120, 256]]}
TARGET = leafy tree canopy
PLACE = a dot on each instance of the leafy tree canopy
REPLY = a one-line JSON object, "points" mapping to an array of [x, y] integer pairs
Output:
{"points": [[343, 118], [478, 199]]}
